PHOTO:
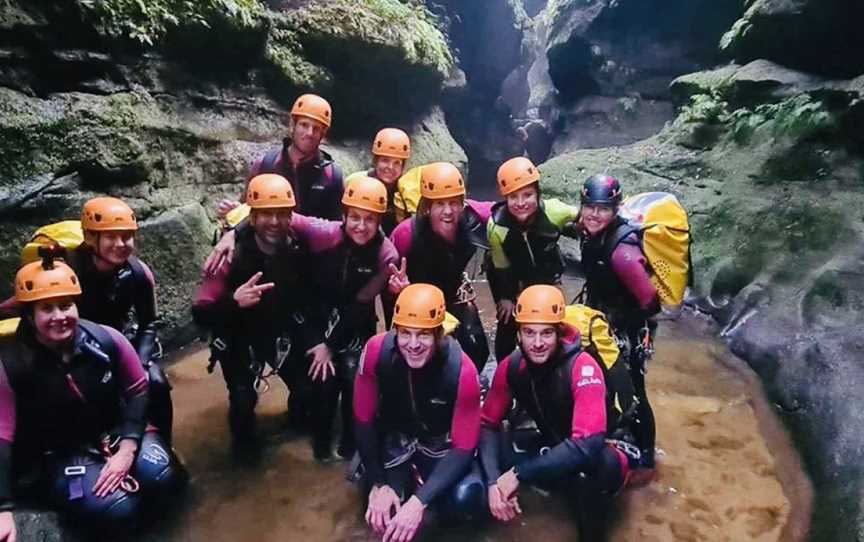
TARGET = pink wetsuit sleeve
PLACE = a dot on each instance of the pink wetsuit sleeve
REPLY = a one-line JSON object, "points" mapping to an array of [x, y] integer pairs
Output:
{"points": [[629, 263], [465, 428], [213, 287], [401, 237], [499, 399], [366, 382], [10, 308], [318, 233], [589, 398], [482, 208], [133, 379], [7, 408]]}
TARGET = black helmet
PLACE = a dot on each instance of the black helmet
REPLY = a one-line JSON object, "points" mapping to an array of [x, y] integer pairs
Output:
{"points": [[601, 189]]}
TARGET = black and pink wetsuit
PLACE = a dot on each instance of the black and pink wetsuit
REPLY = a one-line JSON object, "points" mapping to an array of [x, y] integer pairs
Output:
{"points": [[417, 420]]}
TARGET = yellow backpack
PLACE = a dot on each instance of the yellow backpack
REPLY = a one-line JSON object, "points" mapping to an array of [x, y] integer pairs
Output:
{"points": [[9, 326], [67, 234], [407, 196], [596, 335], [598, 340], [664, 232]]}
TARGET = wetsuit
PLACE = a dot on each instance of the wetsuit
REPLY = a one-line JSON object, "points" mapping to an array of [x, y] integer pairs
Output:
{"points": [[566, 398], [268, 333], [125, 299], [618, 282], [347, 279], [424, 421], [317, 182], [524, 255], [54, 416], [433, 260]]}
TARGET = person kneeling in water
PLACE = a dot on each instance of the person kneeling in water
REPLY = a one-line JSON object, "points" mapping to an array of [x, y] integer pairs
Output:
{"points": [[564, 391], [73, 404], [417, 420]]}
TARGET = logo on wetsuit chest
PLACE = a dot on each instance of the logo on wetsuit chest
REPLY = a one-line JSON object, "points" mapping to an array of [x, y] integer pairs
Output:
{"points": [[317, 187], [107, 376], [365, 270]]}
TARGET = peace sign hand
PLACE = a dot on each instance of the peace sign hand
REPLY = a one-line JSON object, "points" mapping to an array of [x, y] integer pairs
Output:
{"points": [[249, 293], [398, 277]]}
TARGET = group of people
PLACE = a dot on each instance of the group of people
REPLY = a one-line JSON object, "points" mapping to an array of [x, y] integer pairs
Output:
{"points": [[291, 292]]}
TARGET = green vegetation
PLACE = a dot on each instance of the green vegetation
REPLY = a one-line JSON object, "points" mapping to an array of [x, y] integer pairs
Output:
{"points": [[148, 21]]}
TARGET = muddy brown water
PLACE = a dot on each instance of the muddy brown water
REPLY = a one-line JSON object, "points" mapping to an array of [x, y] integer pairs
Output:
{"points": [[727, 471]]}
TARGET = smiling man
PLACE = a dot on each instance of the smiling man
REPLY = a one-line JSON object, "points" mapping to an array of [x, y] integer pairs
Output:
{"points": [[255, 305], [417, 419], [562, 388], [314, 176]]}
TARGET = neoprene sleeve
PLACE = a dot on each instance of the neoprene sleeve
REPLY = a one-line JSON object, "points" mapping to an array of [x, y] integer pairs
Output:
{"points": [[490, 445], [447, 472], [569, 456], [367, 446]]}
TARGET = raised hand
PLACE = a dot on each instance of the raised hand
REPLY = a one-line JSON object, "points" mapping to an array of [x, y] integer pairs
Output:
{"points": [[249, 293], [398, 277]]}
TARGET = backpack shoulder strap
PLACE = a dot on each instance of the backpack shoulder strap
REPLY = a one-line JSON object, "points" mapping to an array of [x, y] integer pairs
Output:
{"points": [[452, 370], [513, 368], [103, 338], [268, 163], [615, 238], [138, 273]]}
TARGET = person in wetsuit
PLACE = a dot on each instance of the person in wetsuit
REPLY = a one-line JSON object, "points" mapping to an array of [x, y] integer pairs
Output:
{"points": [[255, 306], [417, 420], [523, 233], [351, 261], [73, 411], [391, 150], [315, 177], [618, 283], [119, 290], [437, 244], [563, 390]]}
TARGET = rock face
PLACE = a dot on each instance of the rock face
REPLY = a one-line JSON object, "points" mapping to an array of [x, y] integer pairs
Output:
{"points": [[768, 162], [87, 109], [820, 36], [610, 63]]}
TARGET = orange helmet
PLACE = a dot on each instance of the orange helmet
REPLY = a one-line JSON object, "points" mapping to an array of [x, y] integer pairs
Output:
{"points": [[392, 142], [270, 191], [420, 306], [45, 279], [516, 173], [366, 193], [540, 304], [441, 180], [314, 107], [108, 214]]}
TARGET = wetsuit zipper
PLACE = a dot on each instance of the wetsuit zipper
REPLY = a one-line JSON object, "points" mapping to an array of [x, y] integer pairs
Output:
{"points": [[530, 250], [540, 410]]}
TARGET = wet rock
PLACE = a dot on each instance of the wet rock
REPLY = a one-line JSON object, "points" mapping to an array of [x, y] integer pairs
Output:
{"points": [[43, 526], [820, 36]]}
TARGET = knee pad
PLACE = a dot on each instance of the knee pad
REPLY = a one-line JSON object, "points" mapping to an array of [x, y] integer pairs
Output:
{"points": [[157, 468], [466, 500], [73, 493]]}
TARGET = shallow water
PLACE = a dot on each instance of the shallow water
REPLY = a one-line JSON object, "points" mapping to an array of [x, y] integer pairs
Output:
{"points": [[726, 471]]}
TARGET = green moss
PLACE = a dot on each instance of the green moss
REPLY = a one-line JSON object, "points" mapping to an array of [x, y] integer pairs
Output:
{"points": [[149, 21], [409, 28]]}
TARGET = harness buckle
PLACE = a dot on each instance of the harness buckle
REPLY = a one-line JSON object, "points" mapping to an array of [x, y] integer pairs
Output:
{"points": [[78, 470], [465, 293]]}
